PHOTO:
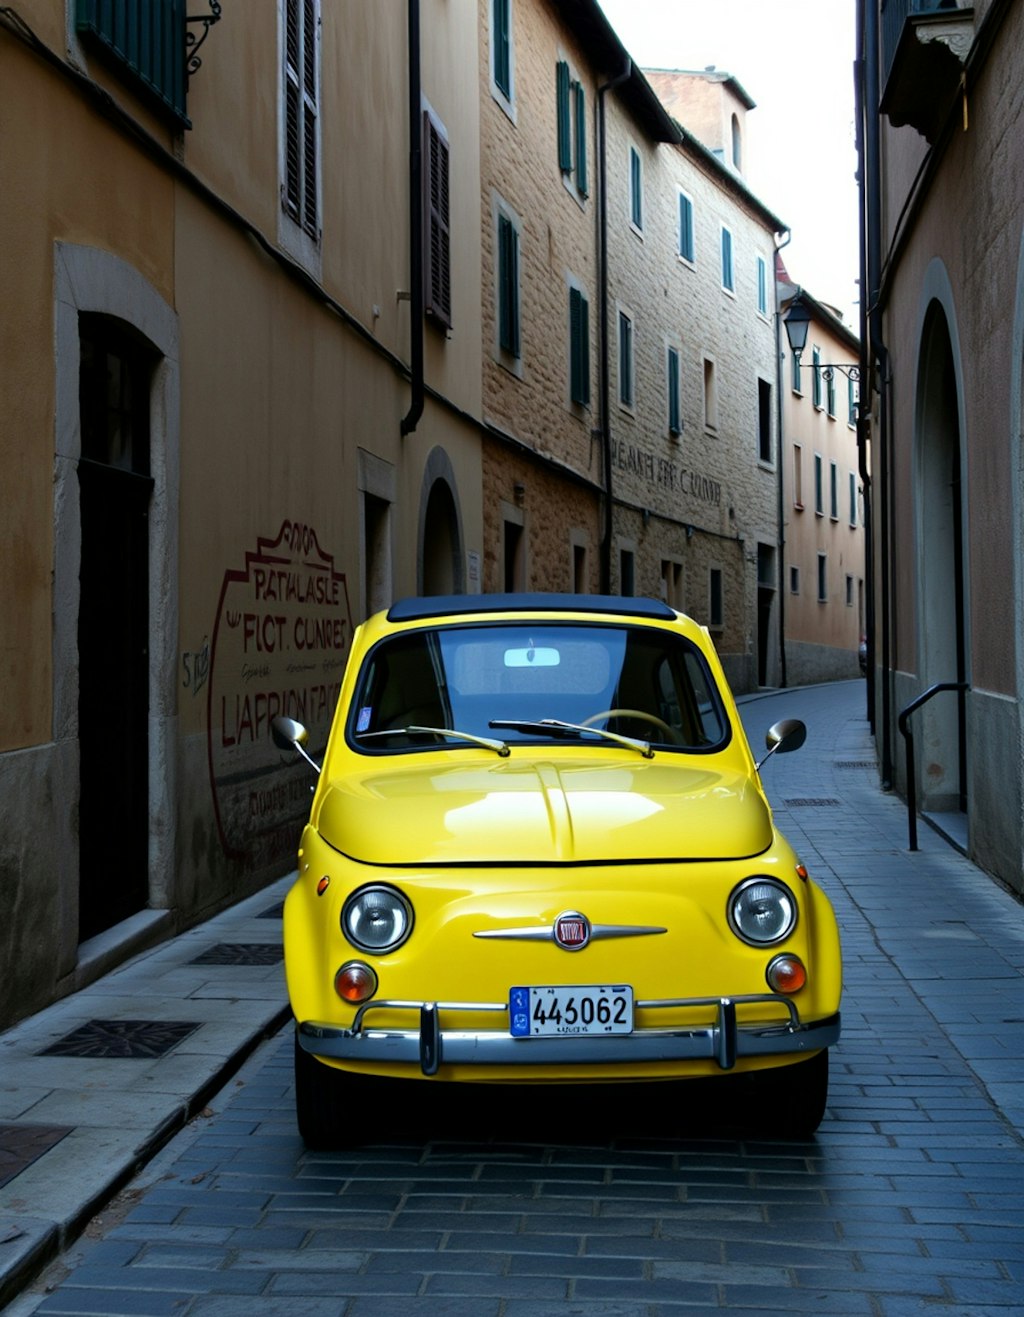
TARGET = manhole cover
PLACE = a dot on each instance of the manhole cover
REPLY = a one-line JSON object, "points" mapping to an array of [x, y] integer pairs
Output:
{"points": [[240, 953], [122, 1038]]}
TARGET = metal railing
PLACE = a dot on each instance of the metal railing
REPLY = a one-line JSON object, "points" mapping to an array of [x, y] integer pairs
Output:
{"points": [[903, 722]]}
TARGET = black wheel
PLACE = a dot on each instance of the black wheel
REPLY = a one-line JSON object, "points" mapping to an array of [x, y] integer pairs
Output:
{"points": [[319, 1101], [789, 1102]]}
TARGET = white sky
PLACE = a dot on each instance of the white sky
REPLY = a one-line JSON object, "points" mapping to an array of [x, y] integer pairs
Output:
{"points": [[794, 58]]}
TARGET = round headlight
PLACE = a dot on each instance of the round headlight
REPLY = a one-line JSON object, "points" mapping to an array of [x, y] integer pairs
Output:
{"points": [[376, 919], [762, 911]]}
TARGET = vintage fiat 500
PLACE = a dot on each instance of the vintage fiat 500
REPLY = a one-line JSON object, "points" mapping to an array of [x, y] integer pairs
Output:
{"points": [[539, 851]]}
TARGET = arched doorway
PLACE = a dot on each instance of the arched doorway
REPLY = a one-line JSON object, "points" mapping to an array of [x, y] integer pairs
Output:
{"points": [[441, 569], [942, 601]]}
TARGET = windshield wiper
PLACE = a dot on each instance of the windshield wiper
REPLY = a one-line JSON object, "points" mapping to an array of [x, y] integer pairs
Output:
{"points": [[555, 727], [488, 742]]}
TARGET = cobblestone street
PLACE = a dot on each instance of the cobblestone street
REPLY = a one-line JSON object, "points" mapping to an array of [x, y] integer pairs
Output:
{"points": [[631, 1201]]}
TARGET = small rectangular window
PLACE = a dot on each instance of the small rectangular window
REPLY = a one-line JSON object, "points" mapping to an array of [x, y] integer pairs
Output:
{"points": [[816, 391], [830, 392], [851, 402], [853, 499], [849, 592], [716, 607], [833, 490], [819, 485], [579, 348], [508, 286], [762, 285], [727, 270], [580, 128], [798, 477], [501, 46], [675, 422], [764, 421], [627, 577], [710, 396], [672, 583], [686, 247], [794, 580], [300, 193], [564, 112], [822, 578], [636, 196], [625, 360], [795, 380]]}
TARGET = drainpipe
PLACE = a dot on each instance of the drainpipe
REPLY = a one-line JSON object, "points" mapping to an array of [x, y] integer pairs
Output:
{"points": [[780, 495], [878, 361], [603, 389], [863, 403], [411, 418]]}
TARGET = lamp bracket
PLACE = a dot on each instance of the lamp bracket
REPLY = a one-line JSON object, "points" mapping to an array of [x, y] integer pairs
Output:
{"points": [[192, 42]]}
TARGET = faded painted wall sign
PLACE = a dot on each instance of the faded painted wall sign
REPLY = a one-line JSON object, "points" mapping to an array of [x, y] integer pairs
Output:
{"points": [[279, 646], [665, 474]]}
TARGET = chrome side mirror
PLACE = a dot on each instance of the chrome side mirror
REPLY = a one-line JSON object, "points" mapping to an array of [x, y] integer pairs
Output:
{"points": [[782, 737], [288, 734]]}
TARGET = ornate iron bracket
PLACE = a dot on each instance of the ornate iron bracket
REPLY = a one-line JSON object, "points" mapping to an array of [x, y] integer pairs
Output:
{"points": [[192, 42]]}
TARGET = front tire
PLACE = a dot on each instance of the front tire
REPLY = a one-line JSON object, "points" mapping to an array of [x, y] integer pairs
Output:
{"points": [[319, 1101], [789, 1102]]}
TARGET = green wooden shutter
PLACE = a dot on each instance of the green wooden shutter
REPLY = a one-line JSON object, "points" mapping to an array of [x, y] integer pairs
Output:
{"points": [[579, 348], [675, 425], [502, 53], [564, 119], [508, 286], [816, 393], [636, 204], [147, 39], [580, 106], [685, 227], [438, 279]]}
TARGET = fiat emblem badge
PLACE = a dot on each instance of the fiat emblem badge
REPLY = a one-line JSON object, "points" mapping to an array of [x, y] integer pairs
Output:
{"points": [[572, 930]]}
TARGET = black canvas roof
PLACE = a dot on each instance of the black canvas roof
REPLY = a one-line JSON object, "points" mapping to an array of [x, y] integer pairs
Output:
{"points": [[415, 609]]}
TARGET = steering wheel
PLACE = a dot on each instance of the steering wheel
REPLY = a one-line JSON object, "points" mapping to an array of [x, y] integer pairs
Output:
{"points": [[670, 732]]}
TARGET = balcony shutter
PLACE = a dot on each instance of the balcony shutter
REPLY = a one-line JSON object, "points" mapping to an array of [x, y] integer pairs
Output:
{"points": [[147, 39]]}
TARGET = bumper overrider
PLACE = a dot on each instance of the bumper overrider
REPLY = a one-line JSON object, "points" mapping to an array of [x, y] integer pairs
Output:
{"points": [[427, 1045]]}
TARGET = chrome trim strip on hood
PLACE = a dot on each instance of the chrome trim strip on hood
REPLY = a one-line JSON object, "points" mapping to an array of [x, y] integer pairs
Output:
{"points": [[598, 932]]}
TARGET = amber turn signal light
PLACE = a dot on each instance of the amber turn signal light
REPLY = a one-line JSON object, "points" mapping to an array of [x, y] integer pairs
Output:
{"points": [[786, 974], [355, 982]]}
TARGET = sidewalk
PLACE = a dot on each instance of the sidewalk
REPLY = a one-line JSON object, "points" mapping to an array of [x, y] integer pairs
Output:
{"points": [[93, 1086], [75, 1126]]}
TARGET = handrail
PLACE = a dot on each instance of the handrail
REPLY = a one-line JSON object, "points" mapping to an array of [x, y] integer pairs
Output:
{"points": [[908, 736]]}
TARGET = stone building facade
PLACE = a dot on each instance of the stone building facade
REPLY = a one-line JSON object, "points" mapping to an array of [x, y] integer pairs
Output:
{"points": [[943, 263]]}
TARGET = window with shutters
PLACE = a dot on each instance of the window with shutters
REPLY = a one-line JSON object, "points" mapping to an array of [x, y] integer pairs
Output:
{"points": [[437, 261], [686, 243], [626, 389], [300, 153], [636, 190], [762, 286], [579, 348], [816, 383], [502, 61], [728, 278], [571, 117], [507, 279], [672, 371]]}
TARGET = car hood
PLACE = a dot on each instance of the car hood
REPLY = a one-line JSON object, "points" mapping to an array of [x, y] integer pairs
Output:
{"points": [[512, 812]]}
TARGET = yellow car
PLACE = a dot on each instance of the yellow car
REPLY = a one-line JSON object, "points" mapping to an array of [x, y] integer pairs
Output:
{"points": [[539, 851]]}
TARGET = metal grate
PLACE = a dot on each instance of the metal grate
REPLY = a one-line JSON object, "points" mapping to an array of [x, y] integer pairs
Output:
{"points": [[855, 763], [240, 953], [21, 1145], [817, 801], [122, 1038]]}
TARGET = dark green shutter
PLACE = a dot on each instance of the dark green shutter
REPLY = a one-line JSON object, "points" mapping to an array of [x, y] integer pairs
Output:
{"points": [[674, 423], [508, 286], [502, 54], [817, 378], [635, 197], [579, 347], [685, 227], [147, 38], [564, 122], [580, 100]]}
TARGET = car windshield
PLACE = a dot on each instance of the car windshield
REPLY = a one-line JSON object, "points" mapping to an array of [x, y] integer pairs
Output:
{"points": [[503, 681]]}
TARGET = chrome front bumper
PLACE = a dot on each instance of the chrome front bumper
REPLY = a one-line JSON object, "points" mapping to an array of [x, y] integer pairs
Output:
{"points": [[429, 1047]]}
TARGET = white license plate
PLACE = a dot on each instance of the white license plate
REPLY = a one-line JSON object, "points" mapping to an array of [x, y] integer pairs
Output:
{"points": [[562, 1011]]}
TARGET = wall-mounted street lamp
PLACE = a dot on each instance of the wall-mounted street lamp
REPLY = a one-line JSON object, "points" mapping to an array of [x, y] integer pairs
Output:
{"points": [[797, 321], [192, 42]]}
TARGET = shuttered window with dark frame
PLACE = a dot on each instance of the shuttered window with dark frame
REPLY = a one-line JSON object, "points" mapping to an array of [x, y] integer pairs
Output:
{"points": [[146, 40], [579, 348], [508, 286], [437, 271], [301, 110]]}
